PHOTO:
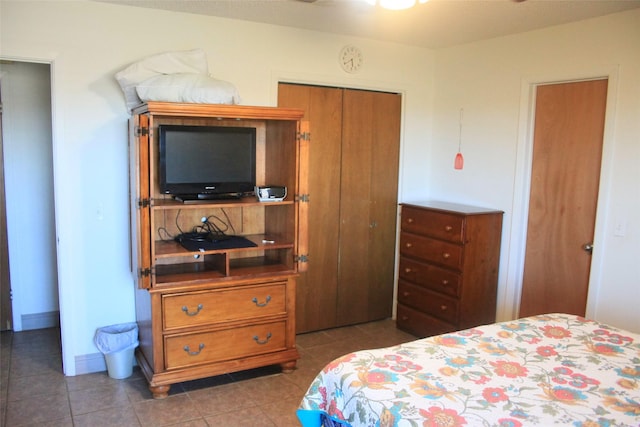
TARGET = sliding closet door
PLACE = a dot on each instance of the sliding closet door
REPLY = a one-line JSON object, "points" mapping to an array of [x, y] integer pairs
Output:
{"points": [[317, 288], [368, 188]]}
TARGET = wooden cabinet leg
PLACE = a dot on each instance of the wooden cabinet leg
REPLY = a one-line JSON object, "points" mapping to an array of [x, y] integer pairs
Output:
{"points": [[159, 391], [288, 367]]}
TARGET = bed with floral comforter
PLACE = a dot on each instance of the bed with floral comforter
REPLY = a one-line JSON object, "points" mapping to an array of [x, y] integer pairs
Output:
{"points": [[554, 369]]}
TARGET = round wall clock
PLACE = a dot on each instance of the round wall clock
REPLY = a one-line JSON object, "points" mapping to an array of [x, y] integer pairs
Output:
{"points": [[351, 58]]}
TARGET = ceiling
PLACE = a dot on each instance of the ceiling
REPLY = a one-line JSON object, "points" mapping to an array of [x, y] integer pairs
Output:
{"points": [[435, 24]]}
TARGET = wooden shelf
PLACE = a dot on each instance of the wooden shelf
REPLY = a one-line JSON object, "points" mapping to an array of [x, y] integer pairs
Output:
{"points": [[171, 248], [188, 272], [193, 273], [226, 203], [215, 111]]}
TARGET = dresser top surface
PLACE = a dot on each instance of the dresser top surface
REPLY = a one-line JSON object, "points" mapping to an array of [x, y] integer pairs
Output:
{"points": [[451, 207]]}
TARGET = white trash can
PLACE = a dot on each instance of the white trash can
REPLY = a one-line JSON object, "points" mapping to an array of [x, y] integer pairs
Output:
{"points": [[118, 343]]}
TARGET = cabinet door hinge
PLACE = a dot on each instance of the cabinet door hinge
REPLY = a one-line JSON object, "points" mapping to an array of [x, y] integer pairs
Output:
{"points": [[142, 131], [144, 272], [305, 136], [302, 258], [303, 198], [144, 203]]}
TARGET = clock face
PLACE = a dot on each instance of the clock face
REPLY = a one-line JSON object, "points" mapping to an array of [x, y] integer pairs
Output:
{"points": [[351, 59]]}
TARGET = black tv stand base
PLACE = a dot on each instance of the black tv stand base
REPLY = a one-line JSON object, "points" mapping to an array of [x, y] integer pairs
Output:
{"points": [[207, 196]]}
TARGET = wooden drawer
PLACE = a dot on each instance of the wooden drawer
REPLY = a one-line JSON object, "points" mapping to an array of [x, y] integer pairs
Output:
{"points": [[435, 224], [431, 250], [420, 324], [208, 307], [200, 348], [432, 303], [430, 276]]}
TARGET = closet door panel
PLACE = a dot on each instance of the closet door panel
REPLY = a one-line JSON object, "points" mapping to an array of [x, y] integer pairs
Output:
{"points": [[384, 203], [370, 153], [317, 287], [355, 220]]}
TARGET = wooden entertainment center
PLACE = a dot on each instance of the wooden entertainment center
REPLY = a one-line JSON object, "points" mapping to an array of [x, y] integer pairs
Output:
{"points": [[210, 312]]}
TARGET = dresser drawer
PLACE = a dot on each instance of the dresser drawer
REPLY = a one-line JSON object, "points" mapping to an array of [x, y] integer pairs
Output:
{"points": [[435, 224], [430, 276], [432, 303], [420, 324], [208, 307], [199, 348], [431, 250]]}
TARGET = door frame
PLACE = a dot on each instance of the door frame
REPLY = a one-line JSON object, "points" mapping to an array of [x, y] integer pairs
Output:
{"points": [[68, 362], [523, 168], [6, 304]]}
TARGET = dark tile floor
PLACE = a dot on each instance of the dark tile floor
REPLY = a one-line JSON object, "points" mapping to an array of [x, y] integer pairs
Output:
{"points": [[34, 392]]}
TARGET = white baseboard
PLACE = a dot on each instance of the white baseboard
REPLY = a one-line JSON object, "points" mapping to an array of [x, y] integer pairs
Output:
{"points": [[90, 363], [50, 319]]}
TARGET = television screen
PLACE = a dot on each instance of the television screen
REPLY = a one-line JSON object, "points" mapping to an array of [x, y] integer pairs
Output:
{"points": [[207, 161]]}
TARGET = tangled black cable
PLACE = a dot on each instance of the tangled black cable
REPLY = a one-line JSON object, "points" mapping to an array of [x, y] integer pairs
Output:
{"points": [[212, 225]]}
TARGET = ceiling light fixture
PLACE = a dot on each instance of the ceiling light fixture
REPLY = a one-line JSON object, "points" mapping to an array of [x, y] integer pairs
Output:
{"points": [[395, 4]]}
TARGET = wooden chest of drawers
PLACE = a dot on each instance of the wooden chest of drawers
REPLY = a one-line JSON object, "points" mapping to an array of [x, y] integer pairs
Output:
{"points": [[448, 270]]}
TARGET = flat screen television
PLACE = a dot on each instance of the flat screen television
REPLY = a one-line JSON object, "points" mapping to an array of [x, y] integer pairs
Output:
{"points": [[207, 162]]}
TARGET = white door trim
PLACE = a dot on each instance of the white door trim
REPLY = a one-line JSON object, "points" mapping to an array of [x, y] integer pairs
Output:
{"points": [[64, 262]]}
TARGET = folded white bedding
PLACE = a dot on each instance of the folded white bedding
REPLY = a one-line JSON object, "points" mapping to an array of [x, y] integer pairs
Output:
{"points": [[186, 87], [181, 76]]}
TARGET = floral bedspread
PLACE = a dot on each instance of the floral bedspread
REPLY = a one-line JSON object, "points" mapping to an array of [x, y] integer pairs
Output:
{"points": [[547, 370]]}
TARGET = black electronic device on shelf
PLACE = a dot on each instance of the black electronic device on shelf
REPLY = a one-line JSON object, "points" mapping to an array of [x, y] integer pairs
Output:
{"points": [[197, 241], [209, 196]]}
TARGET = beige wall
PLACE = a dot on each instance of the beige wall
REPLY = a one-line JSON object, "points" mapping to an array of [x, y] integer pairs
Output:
{"points": [[491, 81]]}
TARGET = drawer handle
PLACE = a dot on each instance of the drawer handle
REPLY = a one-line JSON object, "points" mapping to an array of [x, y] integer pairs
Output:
{"points": [[448, 228], [443, 307], [406, 294], [193, 353], [191, 313], [446, 255], [408, 244], [255, 301], [410, 220], [262, 342], [445, 282], [407, 270]]}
